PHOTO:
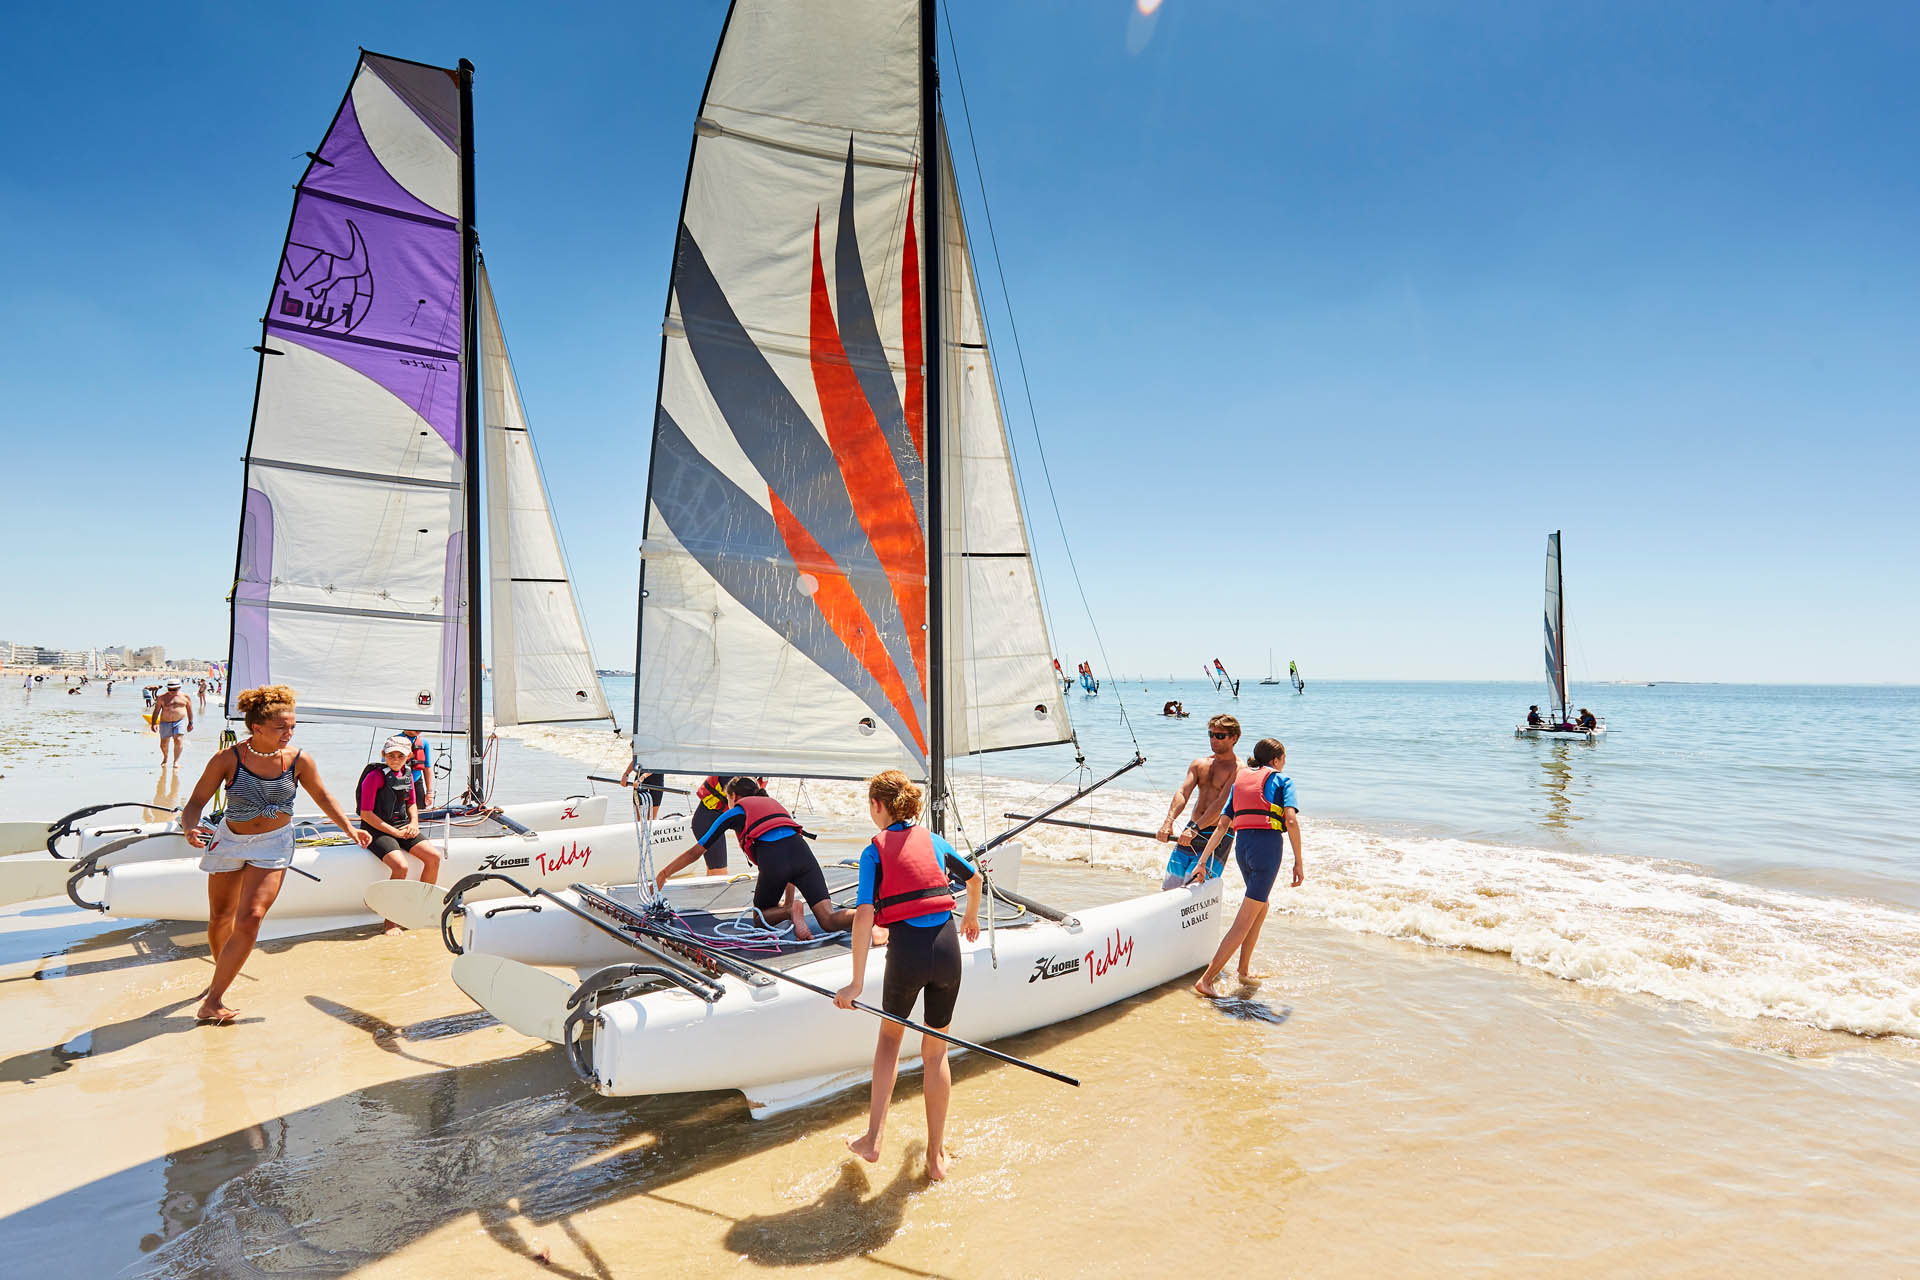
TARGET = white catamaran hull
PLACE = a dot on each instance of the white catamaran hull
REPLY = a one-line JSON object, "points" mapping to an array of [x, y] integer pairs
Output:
{"points": [[783, 1046], [176, 888], [537, 933], [1564, 735]]}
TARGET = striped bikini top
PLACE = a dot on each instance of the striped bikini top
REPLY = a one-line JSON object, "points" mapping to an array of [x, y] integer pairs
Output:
{"points": [[251, 796]]}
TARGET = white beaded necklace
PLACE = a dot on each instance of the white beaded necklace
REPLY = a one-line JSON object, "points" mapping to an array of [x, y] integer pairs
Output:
{"points": [[263, 755]]}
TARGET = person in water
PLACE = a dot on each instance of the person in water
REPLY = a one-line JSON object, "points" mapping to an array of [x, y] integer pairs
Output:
{"points": [[389, 797], [1262, 812], [904, 885], [173, 717], [773, 842], [1533, 716], [1208, 781], [248, 854]]}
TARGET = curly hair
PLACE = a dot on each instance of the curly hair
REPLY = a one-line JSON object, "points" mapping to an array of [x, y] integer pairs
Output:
{"points": [[897, 794], [262, 704]]}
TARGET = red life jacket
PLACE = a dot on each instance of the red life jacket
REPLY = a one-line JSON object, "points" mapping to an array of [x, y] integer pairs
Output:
{"points": [[912, 881], [764, 814], [1248, 806], [711, 794]]}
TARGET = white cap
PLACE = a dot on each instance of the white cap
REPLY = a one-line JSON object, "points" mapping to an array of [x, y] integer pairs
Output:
{"points": [[396, 743], [173, 683]]}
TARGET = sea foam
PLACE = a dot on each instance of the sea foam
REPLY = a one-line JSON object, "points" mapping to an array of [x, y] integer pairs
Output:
{"points": [[1628, 924]]}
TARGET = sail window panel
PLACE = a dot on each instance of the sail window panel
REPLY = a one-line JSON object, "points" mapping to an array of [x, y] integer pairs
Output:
{"points": [[356, 668], [805, 75], [356, 544], [315, 411], [720, 689], [411, 152]]}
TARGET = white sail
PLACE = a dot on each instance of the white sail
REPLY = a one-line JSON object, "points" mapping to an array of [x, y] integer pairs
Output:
{"points": [[1000, 687], [350, 578], [542, 665], [783, 621]]}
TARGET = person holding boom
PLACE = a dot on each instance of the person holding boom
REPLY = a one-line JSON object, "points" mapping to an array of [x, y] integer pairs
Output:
{"points": [[1262, 812], [904, 886]]}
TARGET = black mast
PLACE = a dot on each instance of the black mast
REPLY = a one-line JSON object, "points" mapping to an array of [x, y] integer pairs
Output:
{"points": [[470, 437], [935, 299]]}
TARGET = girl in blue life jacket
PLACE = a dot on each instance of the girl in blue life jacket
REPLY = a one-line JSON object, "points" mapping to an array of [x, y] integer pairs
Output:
{"points": [[904, 886]]}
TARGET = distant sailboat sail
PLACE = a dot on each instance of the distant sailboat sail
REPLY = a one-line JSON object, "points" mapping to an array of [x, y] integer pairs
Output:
{"points": [[351, 578], [1556, 622], [790, 619], [542, 664]]}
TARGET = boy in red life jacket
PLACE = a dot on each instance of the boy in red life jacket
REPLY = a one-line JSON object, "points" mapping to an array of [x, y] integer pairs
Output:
{"points": [[710, 800], [1263, 812], [773, 841], [903, 883]]}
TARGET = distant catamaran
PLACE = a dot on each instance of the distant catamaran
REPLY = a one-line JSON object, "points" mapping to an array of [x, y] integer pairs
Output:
{"points": [[1560, 723]]}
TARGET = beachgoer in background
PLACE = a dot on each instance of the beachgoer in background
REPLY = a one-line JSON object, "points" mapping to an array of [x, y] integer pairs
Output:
{"points": [[648, 790], [388, 797], [203, 695], [1208, 781], [248, 853], [1533, 716], [422, 762], [1262, 812], [904, 887], [173, 717], [774, 843]]}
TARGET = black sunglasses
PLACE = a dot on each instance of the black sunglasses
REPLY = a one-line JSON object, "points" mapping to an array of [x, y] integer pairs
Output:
{"points": [[1212, 734]]}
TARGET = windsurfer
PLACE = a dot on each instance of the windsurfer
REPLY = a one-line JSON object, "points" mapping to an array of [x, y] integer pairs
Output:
{"points": [[904, 884], [389, 798], [249, 852], [1262, 812], [1208, 781], [773, 842]]}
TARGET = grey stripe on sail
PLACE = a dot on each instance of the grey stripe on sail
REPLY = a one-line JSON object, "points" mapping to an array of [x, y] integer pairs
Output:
{"points": [[416, 481], [292, 606]]}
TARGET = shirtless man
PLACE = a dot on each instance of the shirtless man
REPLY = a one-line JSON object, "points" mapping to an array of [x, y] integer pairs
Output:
{"points": [[173, 717], [1209, 781]]}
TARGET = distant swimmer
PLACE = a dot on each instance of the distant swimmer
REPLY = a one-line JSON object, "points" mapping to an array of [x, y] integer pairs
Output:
{"points": [[774, 843], [1533, 717], [1209, 780], [248, 853], [173, 717], [1262, 812], [388, 797], [905, 887]]}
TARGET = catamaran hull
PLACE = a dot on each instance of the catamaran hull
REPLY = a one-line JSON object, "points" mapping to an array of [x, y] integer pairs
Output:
{"points": [[1563, 735], [783, 1046], [176, 888], [535, 932]]}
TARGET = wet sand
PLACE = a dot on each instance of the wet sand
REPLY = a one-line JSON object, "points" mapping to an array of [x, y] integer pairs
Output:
{"points": [[1377, 1105], [1373, 1106]]}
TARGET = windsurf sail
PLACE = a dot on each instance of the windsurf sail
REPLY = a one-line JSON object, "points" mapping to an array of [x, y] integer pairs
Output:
{"points": [[1556, 625], [836, 576], [542, 663], [1226, 679], [351, 580], [1293, 673], [1087, 682]]}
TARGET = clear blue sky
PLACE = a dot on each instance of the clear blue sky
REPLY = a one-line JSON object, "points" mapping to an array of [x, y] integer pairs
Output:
{"points": [[1332, 312]]}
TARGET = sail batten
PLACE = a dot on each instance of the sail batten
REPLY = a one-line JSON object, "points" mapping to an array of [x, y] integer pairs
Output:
{"points": [[349, 581]]}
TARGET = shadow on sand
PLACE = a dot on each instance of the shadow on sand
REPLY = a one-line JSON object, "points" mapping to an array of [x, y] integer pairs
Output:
{"points": [[329, 1188]]}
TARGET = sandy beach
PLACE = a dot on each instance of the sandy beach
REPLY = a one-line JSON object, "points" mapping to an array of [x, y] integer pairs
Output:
{"points": [[1375, 1105]]}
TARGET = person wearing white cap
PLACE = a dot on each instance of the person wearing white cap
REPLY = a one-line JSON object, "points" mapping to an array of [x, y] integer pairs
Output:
{"points": [[173, 717], [389, 797]]}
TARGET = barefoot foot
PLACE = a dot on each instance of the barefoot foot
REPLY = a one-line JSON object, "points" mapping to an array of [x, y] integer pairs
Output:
{"points": [[866, 1146], [936, 1166], [1204, 987], [215, 1013], [1252, 977]]}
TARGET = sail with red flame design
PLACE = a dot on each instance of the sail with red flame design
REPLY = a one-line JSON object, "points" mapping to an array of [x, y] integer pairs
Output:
{"points": [[786, 614]]}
